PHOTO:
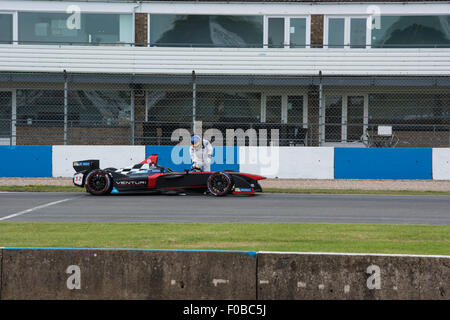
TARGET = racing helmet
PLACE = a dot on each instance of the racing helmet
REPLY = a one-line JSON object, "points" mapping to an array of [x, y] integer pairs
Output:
{"points": [[196, 142]]}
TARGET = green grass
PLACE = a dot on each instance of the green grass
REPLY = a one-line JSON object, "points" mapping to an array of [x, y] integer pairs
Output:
{"points": [[354, 238], [51, 188]]}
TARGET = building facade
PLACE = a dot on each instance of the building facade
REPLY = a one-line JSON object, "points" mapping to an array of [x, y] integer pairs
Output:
{"points": [[324, 73]]}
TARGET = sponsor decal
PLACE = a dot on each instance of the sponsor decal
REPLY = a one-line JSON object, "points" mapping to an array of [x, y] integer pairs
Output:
{"points": [[132, 182], [81, 164], [243, 190], [78, 179]]}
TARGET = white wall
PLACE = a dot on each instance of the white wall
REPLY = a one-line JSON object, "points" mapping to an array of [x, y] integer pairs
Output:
{"points": [[109, 156], [441, 163], [288, 162], [223, 61]]}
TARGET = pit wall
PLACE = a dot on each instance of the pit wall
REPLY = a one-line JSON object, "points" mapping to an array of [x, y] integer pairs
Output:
{"points": [[282, 162], [69, 274]]}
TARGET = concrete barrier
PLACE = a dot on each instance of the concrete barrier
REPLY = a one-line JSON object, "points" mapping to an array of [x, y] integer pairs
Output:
{"points": [[1, 266], [178, 158], [127, 274], [293, 276], [25, 161], [288, 162], [109, 156], [441, 163], [383, 163]]}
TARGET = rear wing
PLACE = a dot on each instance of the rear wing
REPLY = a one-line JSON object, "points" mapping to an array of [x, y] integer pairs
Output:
{"points": [[84, 165]]}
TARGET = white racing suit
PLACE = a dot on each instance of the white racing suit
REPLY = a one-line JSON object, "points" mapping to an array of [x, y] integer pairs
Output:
{"points": [[201, 157]]}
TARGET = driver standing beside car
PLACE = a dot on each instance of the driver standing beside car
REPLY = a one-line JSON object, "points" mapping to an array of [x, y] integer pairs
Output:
{"points": [[201, 152]]}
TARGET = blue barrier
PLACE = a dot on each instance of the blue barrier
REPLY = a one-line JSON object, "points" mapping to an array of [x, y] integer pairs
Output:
{"points": [[25, 161], [177, 157], [383, 163]]}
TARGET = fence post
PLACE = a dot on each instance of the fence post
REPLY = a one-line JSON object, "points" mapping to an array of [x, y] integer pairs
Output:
{"points": [[65, 107], [194, 99], [132, 116], [321, 112]]}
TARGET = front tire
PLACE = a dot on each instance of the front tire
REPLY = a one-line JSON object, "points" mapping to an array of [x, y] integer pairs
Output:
{"points": [[98, 183], [219, 184]]}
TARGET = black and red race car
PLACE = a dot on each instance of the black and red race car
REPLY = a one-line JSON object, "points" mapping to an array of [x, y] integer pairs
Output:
{"points": [[149, 177]]}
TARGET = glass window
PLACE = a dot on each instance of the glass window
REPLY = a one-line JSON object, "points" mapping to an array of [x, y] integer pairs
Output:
{"points": [[412, 31], [355, 117], [358, 28], [333, 118], [273, 109], [297, 32], [169, 106], [276, 32], [85, 107], [99, 107], [51, 28], [5, 114], [210, 106], [168, 30], [336, 32], [402, 108], [6, 35], [295, 109]]}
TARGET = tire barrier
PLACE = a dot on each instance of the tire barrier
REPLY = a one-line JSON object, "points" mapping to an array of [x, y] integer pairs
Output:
{"points": [[71, 274]]}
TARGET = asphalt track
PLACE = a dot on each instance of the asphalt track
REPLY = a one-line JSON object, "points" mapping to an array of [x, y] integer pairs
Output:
{"points": [[285, 208]]}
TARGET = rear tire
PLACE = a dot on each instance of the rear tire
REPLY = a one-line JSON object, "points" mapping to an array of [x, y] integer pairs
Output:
{"points": [[219, 184], [98, 183]]}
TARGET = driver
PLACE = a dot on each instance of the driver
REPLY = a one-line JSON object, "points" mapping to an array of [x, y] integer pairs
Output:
{"points": [[201, 152]]}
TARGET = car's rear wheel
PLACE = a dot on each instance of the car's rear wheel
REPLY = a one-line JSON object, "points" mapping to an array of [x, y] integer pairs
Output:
{"points": [[219, 184], [98, 183]]}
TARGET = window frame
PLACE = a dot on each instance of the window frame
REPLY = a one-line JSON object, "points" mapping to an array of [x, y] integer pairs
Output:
{"points": [[14, 26], [287, 33], [347, 30]]}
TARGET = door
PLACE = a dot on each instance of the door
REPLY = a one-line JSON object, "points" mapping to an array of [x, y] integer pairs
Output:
{"points": [[5, 118], [355, 118], [345, 118], [333, 118]]}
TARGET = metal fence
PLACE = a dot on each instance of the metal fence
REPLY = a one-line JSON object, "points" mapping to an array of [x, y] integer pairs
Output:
{"points": [[288, 111]]}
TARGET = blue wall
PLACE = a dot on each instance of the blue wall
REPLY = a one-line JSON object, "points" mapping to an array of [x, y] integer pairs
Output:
{"points": [[383, 163], [177, 158], [25, 161]]}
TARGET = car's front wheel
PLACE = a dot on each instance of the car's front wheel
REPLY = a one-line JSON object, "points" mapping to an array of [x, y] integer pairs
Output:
{"points": [[98, 183], [219, 184]]}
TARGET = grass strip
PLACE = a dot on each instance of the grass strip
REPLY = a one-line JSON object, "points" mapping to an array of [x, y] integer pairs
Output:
{"points": [[351, 238]]}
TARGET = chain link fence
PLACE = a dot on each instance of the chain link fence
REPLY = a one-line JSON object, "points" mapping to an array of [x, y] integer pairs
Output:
{"points": [[286, 111]]}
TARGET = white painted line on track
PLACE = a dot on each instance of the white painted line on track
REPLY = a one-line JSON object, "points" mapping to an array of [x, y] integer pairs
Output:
{"points": [[34, 209]]}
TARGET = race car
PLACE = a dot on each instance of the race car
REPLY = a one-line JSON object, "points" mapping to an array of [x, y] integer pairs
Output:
{"points": [[148, 177]]}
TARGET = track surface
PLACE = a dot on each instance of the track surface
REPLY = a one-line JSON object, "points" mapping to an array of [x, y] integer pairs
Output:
{"points": [[81, 207]]}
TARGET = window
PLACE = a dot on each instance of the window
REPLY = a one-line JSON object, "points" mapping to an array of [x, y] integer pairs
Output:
{"points": [[6, 28], [52, 28], [295, 109], [344, 32], [412, 32], [167, 30], [5, 114], [85, 107], [210, 106], [407, 108], [286, 32], [298, 33], [276, 32]]}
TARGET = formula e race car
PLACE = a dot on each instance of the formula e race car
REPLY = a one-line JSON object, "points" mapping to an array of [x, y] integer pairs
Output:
{"points": [[149, 177]]}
